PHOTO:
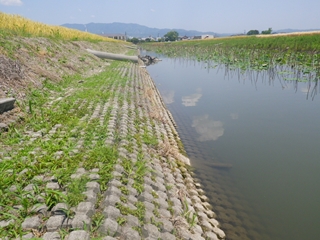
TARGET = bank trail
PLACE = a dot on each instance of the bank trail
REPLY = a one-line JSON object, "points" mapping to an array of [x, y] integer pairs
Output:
{"points": [[145, 192]]}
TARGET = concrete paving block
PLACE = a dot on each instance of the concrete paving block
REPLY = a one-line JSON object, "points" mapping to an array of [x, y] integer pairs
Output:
{"points": [[118, 168], [111, 212], [197, 229], [176, 201], [168, 236], [177, 210], [51, 236], [147, 182], [166, 226], [60, 209], [214, 222], [114, 183], [3, 127], [87, 208], [158, 186], [27, 236], [164, 213], [150, 231], [29, 188], [147, 197], [162, 195], [54, 223], [81, 221], [132, 191], [76, 175], [199, 208], [4, 223], [210, 214], [197, 236], [53, 186], [130, 234], [132, 199], [132, 221], [31, 222], [219, 232], [160, 180], [110, 200], [79, 234], [94, 186], [206, 225], [91, 196], [109, 238], [163, 203], [113, 191], [148, 216], [94, 176], [40, 209], [109, 227], [148, 206], [211, 236]]}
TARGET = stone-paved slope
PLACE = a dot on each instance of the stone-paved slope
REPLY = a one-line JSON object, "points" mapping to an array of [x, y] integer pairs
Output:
{"points": [[145, 192]]}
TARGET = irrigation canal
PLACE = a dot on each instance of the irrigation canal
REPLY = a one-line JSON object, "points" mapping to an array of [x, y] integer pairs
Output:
{"points": [[267, 127]]}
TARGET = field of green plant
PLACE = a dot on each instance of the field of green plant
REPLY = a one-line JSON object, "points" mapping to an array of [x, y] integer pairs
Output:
{"points": [[253, 53]]}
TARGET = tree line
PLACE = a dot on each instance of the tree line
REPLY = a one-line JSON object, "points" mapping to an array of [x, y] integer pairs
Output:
{"points": [[256, 32]]}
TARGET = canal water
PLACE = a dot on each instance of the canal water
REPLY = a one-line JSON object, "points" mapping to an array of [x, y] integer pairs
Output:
{"points": [[254, 141]]}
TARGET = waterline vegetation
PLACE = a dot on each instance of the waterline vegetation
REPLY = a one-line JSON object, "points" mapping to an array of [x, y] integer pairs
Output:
{"points": [[295, 57]]}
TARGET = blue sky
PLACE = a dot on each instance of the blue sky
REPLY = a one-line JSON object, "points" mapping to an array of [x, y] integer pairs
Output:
{"points": [[220, 16]]}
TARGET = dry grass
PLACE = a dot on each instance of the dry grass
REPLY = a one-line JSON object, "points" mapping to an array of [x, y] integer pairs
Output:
{"points": [[26, 27], [289, 34], [166, 149], [157, 114]]}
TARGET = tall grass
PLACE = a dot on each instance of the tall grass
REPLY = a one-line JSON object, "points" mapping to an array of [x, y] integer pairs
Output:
{"points": [[16, 25]]}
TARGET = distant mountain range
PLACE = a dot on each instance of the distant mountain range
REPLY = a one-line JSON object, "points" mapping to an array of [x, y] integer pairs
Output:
{"points": [[133, 30], [140, 31]]}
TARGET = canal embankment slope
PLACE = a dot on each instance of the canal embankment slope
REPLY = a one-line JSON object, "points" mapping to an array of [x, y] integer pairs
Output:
{"points": [[90, 150]]}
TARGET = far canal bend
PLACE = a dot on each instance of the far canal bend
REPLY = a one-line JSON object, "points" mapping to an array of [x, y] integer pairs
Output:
{"points": [[266, 128]]}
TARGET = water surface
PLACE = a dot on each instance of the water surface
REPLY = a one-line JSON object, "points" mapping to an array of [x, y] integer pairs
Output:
{"points": [[268, 129]]}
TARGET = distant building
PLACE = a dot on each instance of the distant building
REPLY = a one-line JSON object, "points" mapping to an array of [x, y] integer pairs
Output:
{"points": [[184, 38], [203, 37], [116, 36]]}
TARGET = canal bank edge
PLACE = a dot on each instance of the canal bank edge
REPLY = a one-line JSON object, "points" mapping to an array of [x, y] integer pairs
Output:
{"points": [[189, 190], [174, 201]]}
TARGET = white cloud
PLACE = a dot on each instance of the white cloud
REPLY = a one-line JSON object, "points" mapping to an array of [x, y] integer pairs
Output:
{"points": [[152, 10], [93, 16], [207, 129], [11, 2]]}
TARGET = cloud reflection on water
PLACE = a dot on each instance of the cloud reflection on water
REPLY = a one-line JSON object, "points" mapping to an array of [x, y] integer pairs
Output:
{"points": [[234, 116], [168, 96], [207, 129], [191, 100]]}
